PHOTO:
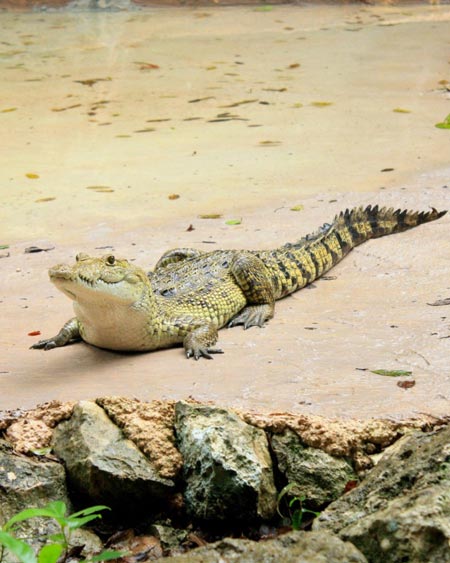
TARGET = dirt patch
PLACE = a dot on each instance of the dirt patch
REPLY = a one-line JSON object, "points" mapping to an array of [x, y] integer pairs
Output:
{"points": [[106, 136]]}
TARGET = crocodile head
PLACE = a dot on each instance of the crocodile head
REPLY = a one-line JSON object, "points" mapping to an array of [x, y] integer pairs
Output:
{"points": [[105, 280]]}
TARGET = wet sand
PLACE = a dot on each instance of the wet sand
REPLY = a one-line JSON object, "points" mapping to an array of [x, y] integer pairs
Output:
{"points": [[246, 114]]}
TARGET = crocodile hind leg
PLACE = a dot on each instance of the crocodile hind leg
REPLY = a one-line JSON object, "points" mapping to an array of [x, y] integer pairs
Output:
{"points": [[176, 255], [254, 279]]}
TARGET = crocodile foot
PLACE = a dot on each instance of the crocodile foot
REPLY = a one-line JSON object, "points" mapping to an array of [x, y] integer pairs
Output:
{"points": [[47, 344], [198, 352], [252, 315]]}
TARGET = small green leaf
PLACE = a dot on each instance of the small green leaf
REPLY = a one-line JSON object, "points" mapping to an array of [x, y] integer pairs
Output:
{"points": [[284, 491], [50, 553], [233, 222], [26, 515], [4, 246], [75, 523], [57, 508], [296, 520], [17, 547], [58, 538], [444, 124], [297, 208], [41, 451], [89, 510], [391, 372], [264, 8]]}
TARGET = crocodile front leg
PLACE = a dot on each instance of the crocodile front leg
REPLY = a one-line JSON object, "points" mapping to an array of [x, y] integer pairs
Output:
{"points": [[70, 332], [199, 336], [198, 342], [253, 278]]}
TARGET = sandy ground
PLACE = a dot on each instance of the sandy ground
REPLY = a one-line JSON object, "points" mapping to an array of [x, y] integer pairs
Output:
{"points": [[246, 114]]}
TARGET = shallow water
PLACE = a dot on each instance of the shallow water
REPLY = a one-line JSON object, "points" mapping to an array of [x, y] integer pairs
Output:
{"points": [[244, 113]]}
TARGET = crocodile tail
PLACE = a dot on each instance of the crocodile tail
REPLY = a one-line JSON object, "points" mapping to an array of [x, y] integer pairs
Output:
{"points": [[297, 264], [372, 222]]}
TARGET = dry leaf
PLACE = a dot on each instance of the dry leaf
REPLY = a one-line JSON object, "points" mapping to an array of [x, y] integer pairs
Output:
{"points": [[406, 384], [100, 189], [66, 108], [440, 302], [34, 249], [269, 143]]}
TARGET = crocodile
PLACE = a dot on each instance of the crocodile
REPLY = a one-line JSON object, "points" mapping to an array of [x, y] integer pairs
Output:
{"points": [[190, 294]]}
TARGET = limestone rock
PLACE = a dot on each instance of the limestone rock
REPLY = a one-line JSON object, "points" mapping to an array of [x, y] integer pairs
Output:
{"points": [[30, 483], [169, 537], [227, 465], [318, 476], [295, 547], [105, 466], [28, 435], [401, 511], [151, 427], [26, 482], [31, 430]]}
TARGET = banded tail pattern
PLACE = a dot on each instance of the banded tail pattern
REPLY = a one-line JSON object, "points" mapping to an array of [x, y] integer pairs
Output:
{"points": [[295, 265]]}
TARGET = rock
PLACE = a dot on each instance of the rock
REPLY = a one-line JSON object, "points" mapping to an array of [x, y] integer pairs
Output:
{"points": [[28, 435], [169, 537], [401, 511], [295, 547], [30, 483], [318, 476], [26, 482], [151, 427], [105, 466], [227, 466], [353, 439], [31, 430]]}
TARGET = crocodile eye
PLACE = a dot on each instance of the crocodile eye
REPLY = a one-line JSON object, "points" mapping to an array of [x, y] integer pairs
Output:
{"points": [[111, 260]]}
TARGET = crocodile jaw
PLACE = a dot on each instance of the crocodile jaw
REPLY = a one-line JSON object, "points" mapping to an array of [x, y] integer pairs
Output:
{"points": [[93, 280], [113, 303]]}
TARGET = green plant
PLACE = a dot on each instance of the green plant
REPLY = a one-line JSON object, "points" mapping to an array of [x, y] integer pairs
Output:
{"points": [[57, 545], [295, 506]]}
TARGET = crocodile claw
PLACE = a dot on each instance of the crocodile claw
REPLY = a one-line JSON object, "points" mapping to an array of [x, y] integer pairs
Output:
{"points": [[197, 353], [44, 345], [252, 315]]}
